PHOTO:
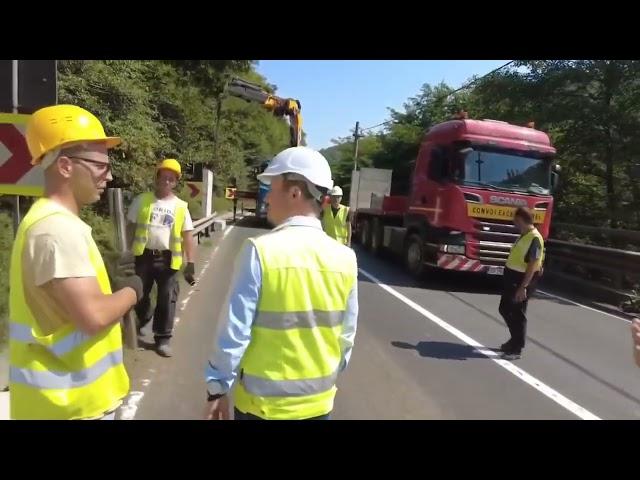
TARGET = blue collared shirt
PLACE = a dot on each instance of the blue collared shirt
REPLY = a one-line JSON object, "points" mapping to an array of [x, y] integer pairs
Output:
{"points": [[234, 332]]}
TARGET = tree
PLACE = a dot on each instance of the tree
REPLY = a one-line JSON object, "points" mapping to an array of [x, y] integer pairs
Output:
{"points": [[590, 108]]}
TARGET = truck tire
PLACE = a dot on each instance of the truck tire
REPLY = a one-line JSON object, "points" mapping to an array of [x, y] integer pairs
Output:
{"points": [[365, 233], [414, 255], [375, 245]]}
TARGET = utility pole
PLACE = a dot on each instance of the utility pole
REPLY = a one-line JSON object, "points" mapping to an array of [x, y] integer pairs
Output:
{"points": [[356, 138]]}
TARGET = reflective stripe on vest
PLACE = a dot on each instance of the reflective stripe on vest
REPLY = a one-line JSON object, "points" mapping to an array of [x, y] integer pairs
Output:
{"points": [[516, 260], [290, 367], [66, 374], [44, 379], [336, 227], [290, 388], [22, 333], [311, 319], [141, 236]]}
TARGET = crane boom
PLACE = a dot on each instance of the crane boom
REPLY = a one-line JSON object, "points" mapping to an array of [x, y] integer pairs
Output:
{"points": [[281, 107]]}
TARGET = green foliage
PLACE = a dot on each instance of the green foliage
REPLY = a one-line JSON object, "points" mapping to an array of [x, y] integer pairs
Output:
{"points": [[6, 240], [222, 205], [170, 108]]}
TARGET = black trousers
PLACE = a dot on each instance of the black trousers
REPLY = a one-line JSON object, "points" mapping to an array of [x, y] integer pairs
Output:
{"points": [[238, 415], [155, 267], [515, 313]]}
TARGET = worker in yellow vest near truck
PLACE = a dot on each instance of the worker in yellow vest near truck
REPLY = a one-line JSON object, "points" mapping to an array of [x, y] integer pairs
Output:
{"points": [[65, 345], [161, 226], [336, 220], [288, 328], [521, 275]]}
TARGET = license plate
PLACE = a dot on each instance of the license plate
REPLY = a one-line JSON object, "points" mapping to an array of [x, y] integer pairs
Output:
{"points": [[496, 270]]}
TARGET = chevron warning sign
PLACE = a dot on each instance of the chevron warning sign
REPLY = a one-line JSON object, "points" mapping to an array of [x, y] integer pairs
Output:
{"points": [[17, 175]]}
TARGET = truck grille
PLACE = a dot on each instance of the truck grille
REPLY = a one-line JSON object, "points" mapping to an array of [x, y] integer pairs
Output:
{"points": [[491, 241]]}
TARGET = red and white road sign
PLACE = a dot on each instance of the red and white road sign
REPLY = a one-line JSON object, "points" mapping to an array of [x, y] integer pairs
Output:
{"points": [[17, 175], [192, 191], [196, 189]]}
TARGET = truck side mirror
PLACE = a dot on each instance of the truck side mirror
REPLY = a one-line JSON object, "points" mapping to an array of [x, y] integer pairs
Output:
{"points": [[555, 180], [635, 171]]}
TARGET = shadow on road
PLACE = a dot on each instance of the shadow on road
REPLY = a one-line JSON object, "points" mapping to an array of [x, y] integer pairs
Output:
{"points": [[442, 350], [145, 345]]}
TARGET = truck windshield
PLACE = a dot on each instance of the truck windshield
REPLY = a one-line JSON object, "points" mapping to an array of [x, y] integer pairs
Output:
{"points": [[504, 171]]}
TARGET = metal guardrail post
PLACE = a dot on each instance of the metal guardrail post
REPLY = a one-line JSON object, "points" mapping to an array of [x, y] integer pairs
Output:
{"points": [[17, 214], [116, 209]]}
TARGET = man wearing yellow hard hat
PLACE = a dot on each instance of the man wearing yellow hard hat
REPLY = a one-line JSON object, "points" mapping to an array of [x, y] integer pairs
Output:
{"points": [[65, 345], [162, 236]]}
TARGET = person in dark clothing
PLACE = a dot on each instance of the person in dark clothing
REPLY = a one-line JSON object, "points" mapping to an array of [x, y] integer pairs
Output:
{"points": [[521, 276]]}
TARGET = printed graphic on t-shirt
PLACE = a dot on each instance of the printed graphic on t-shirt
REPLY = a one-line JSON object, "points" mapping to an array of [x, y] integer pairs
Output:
{"points": [[162, 216]]}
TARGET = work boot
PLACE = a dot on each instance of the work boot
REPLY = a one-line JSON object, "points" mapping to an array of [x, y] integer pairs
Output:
{"points": [[140, 325], [163, 348], [512, 355]]}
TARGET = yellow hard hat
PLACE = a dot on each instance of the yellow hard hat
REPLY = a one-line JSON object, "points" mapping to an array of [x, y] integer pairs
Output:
{"points": [[63, 125], [171, 164]]}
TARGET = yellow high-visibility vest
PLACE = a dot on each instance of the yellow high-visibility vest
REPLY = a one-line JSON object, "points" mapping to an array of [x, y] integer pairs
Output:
{"points": [[336, 227], [67, 374], [516, 260], [290, 367], [142, 229]]}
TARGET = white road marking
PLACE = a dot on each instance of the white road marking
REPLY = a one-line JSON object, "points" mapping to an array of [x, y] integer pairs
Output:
{"points": [[558, 297], [130, 405], [554, 395]]}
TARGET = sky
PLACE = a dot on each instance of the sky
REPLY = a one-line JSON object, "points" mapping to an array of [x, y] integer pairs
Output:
{"points": [[336, 93]]}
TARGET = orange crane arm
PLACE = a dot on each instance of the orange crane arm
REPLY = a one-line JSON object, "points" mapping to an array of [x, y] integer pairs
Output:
{"points": [[281, 107]]}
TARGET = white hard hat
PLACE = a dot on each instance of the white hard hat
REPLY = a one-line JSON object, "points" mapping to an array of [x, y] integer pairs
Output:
{"points": [[303, 161], [336, 191]]}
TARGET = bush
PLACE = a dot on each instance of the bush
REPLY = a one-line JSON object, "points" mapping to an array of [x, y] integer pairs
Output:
{"points": [[222, 205], [6, 241]]}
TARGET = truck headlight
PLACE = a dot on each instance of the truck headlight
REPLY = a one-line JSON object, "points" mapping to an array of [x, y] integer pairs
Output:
{"points": [[458, 249]]}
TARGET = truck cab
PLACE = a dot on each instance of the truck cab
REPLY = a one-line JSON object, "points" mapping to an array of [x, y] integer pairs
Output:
{"points": [[469, 178]]}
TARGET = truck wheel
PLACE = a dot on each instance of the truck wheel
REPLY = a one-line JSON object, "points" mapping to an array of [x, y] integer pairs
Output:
{"points": [[376, 237], [415, 255], [365, 233]]}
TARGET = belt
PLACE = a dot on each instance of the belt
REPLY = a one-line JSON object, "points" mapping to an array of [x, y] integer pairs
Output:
{"points": [[155, 253]]}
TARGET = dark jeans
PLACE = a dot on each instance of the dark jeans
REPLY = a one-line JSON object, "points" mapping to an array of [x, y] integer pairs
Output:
{"points": [[156, 268], [514, 313], [238, 415]]}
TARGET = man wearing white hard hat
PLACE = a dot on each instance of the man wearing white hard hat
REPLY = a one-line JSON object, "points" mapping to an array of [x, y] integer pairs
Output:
{"points": [[290, 322], [335, 218]]}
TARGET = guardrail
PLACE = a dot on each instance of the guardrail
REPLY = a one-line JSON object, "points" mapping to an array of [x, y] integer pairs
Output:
{"points": [[603, 273], [204, 226], [614, 237]]}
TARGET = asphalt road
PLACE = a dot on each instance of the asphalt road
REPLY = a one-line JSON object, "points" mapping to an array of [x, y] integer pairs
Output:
{"points": [[419, 351]]}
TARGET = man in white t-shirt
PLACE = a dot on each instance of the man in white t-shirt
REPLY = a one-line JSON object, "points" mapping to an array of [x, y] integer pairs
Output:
{"points": [[161, 238]]}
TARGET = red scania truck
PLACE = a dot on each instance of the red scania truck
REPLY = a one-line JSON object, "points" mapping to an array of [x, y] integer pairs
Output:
{"points": [[467, 181]]}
